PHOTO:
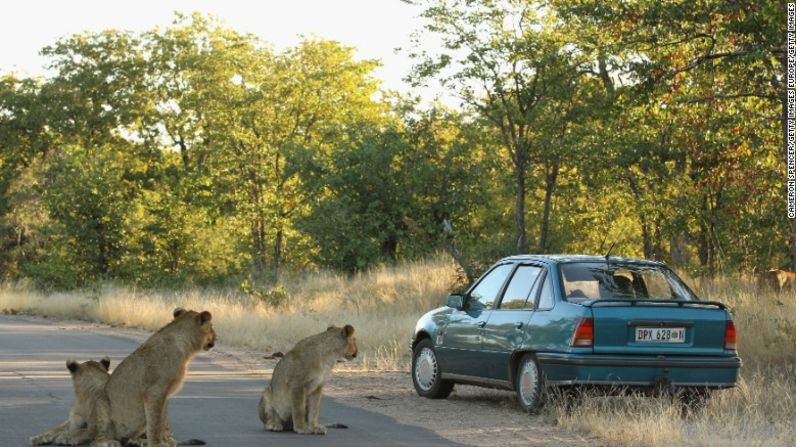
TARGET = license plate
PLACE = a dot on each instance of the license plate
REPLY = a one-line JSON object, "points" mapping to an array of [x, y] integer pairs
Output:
{"points": [[660, 334]]}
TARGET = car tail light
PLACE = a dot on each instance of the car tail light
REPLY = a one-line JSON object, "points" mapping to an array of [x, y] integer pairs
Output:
{"points": [[584, 334], [729, 336]]}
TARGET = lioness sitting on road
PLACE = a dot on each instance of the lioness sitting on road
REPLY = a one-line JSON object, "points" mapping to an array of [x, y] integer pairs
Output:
{"points": [[293, 398], [140, 386], [89, 379]]}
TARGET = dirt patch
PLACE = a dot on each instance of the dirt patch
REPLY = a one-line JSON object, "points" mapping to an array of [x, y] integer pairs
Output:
{"points": [[470, 415]]}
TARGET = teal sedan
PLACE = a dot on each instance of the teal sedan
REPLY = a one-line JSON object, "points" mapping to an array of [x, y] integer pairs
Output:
{"points": [[533, 322]]}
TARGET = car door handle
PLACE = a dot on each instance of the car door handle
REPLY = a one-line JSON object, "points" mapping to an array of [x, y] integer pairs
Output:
{"points": [[481, 324], [518, 325]]}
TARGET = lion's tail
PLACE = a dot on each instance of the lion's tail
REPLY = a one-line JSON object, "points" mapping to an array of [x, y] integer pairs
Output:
{"points": [[191, 442], [262, 407]]}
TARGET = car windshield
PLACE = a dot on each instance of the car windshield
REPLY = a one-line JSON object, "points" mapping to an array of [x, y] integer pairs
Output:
{"points": [[594, 280]]}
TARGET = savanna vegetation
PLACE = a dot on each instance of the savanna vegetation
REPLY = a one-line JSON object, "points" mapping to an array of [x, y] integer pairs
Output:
{"points": [[197, 155], [283, 190]]}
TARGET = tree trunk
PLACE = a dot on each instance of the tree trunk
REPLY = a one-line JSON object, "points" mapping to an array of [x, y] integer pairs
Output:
{"points": [[186, 162], [456, 252], [278, 253], [702, 248], [102, 245], [679, 249], [707, 255], [657, 244], [258, 236], [551, 179], [258, 249], [715, 254], [280, 217], [520, 206], [645, 238], [605, 76], [389, 248]]}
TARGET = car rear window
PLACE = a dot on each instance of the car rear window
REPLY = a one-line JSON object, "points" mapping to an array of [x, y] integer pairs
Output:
{"points": [[594, 281]]}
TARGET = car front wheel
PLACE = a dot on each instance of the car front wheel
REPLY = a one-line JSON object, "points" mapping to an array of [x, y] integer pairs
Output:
{"points": [[426, 373], [528, 384]]}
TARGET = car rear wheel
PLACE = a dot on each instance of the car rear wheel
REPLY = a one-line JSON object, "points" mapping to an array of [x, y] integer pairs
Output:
{"points": [[528, 384], [426, 373]]}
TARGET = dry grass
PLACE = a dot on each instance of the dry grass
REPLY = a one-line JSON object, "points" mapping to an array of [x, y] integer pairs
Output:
{"points": [[383, 305], [758, 412]]}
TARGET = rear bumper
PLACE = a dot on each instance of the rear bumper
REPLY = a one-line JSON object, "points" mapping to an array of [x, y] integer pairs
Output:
{"points": [[624, 370]]}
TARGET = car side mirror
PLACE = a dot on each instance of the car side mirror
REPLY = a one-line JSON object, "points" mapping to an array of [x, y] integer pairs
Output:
{"points": [[456, 301]]}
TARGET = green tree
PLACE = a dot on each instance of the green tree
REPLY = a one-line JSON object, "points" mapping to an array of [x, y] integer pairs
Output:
{"points": [[23, 140], [692, 75], [511, 63], [268, 110]]}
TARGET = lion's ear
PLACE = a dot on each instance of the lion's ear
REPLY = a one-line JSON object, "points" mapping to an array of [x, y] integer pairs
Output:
{"points": [[348, 331], [106, 363], [204, 317], [71, 365], [179, 311]]}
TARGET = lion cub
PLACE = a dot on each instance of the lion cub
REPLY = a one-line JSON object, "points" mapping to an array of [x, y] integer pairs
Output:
{"points": [[293, 398], [89, 379], [141, 385]]}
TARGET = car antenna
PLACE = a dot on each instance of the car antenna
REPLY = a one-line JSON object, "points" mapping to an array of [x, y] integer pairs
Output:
{"points": [[609, 253]]}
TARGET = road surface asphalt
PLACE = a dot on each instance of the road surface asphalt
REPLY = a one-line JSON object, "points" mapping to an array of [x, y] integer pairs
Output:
{"points": [[218, 403]]}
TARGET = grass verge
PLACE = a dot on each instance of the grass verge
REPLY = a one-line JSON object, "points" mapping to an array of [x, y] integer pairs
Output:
{"points": [[759, 412], [383, 306]]}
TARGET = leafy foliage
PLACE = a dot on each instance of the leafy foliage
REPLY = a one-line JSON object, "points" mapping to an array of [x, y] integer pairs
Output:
{"points": [[198, 154]]}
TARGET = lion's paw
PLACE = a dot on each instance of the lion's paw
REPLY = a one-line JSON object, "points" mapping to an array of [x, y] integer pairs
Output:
{"points": [[319, 430], [41, 440], [105, 443], [165, 441], [67, 440], [273, 426]]}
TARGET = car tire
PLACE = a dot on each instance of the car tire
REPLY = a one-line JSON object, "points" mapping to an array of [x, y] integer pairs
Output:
{"points": [[426, 373], [528, 384]]}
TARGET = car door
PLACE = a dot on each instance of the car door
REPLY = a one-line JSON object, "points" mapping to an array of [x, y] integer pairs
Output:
{"points": [[547, 330], [459, 344], [504, 331]]}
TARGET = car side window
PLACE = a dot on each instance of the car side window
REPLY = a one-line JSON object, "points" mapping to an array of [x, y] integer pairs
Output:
{"points": [[483, 296], [519, 288], [546, 295]]}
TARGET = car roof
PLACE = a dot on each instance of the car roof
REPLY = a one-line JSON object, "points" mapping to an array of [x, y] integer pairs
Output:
{"points": [[568, 258]]}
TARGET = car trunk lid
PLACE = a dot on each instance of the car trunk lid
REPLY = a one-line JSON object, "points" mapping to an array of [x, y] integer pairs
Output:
{"points": [[664, 327]]}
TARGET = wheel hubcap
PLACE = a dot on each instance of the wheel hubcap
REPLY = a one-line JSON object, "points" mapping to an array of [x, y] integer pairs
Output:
{"points": [[426, 369], [528, 383]]}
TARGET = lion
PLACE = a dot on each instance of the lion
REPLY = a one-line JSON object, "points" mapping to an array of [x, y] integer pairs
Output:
{"points": [[293, 398], [89, 379], [141, 385], [777, 280]]}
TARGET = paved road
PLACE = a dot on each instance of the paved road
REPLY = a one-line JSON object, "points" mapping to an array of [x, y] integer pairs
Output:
{"points": [[217, 404]]}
